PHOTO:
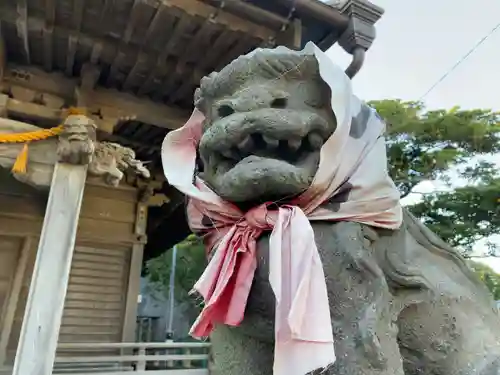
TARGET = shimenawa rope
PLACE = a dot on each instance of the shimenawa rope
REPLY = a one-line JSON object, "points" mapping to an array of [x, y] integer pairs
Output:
{"points": [[21, 162]]}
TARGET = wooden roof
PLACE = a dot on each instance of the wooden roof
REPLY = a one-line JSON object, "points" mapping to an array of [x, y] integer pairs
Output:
{"points": [[156, 50], [148, 47]]}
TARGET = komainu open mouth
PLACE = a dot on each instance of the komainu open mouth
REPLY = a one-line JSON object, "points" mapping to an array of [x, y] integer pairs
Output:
{"points": [[292, 149]]}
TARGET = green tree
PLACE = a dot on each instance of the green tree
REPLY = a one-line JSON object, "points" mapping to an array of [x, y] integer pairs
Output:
{"points": [[489, 277], [191, 262], [438, 145]]}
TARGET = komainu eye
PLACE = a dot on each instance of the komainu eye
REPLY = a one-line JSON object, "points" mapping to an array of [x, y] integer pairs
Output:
{"points": [[279, 103], [225, 110]]}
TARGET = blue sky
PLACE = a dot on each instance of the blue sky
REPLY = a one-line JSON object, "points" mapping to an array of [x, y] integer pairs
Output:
{"points": [[417, 42]]}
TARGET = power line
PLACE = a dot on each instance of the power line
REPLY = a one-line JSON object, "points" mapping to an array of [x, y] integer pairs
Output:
{"points": [[460, 61]]}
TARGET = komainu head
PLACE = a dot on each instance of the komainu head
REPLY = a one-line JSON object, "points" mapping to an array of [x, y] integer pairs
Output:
{"points": [[267, 117]]}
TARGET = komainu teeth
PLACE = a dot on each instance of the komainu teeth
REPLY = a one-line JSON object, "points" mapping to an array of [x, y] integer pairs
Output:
{"points": [[271, 141], [294, 144], [246, 145], [315, 140]]}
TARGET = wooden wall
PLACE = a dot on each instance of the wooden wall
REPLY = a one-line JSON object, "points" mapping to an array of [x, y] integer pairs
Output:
{"points": [[102, 293]]}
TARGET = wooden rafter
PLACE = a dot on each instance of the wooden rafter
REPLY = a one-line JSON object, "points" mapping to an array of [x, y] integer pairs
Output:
{"points": [[112, 103], [193, 8], [70, 56], [156, 23], [3, 54], [88, 79], [73, 37], [134, 17], [179, 30], [199, 9], [22, 27], [100, 44], [251, 12], [156, 58], [140, 60], [193, 51], [50, 11], [245, 43], [225, 40], [106, 9], [96, 52], [48, 34]]}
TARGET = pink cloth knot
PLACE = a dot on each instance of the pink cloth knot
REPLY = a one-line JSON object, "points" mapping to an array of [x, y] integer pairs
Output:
{"points": [[260, 217]]}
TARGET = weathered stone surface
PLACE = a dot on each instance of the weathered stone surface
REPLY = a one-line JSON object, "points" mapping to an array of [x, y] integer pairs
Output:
{"points": [[77, 140], [402, 302]]}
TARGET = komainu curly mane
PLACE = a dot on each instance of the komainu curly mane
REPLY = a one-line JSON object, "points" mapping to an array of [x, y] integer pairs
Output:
{"points": [[265, 64]]}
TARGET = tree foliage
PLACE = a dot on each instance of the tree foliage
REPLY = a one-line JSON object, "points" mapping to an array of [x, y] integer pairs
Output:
{"points": [[490, 278], [191, 262], [446, 145]]}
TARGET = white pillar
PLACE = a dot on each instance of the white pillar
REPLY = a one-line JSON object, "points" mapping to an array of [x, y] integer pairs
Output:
{"points": [[44, 308]]}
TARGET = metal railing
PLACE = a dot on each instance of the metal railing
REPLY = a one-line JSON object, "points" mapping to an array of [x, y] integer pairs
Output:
{"points": [[147, 358]]}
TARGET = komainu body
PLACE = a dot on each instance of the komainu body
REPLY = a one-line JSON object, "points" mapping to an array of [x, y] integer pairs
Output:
{"points": [[401, 301]]}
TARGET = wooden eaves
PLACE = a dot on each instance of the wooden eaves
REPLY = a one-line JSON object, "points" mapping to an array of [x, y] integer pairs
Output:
{"points": [[134, 64]]}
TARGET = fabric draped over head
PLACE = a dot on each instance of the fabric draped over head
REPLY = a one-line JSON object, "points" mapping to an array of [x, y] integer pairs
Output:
{"points": [[351, 184]]}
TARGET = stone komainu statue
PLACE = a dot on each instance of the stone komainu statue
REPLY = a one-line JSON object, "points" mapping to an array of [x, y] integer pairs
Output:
{"points": [[401, 300]]}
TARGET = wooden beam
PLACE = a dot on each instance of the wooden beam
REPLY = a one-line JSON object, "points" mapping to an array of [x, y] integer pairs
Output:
{"points": [[96, 52], [48, 32], [194, 8], [3, 54], [44, 308], [15, 291], [115, 65], [32, 111], [193, 52], [244, 45], [197, 8], [296, 35], [22, 27], [50, 11], [141, 59], [161, 20], [115, 104], [251, 12], [89, 76], [36, 79], [147, 53], [37, 24], [48, 49], [292, 35], [111, 103], [225, 40], [133, 290], [4, 100], [178, 31], [78, 7], [134, 17], [73, 37], [157, 22], [71, 53], [105, 11], [134, 277]]}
